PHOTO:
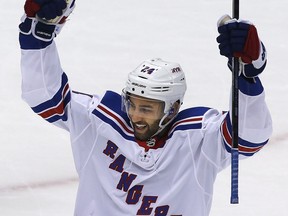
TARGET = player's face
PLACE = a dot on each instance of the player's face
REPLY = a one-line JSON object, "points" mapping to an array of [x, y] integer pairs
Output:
{"points": [[145, 116]]}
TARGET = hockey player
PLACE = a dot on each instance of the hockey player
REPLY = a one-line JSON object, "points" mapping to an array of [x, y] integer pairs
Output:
{"points": [[135, 152]]}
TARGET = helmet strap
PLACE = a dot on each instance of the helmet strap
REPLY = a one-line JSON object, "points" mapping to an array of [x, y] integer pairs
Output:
{"points": [[171, 114]]}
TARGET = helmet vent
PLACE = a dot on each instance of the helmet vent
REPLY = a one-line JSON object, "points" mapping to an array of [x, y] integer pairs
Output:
{"points": [[142, 77], [161, 89]]}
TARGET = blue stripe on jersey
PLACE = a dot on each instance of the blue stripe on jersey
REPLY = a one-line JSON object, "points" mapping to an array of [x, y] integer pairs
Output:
{"points": [[189, 126], [109, 111], [29, 42], [113, 123], [113, 101], [244, 147], [188, 119], [192, 112], [251, 87], [54, 109]]}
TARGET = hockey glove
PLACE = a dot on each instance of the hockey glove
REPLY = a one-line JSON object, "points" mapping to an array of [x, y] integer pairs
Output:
{"points": [[240, 39], [45, 18]]}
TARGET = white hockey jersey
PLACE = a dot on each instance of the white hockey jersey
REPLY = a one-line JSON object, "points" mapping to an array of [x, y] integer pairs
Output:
{"points": [[117, 177]]}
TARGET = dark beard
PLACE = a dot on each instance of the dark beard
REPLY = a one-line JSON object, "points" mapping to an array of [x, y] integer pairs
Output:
{"points": [[151, 130]]}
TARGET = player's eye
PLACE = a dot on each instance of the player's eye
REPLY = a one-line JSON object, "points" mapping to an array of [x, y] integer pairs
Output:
{"points": [[145, 110]]}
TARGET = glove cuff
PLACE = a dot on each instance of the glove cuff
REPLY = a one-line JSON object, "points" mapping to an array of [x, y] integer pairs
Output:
{"points": [[258, 63], [39, 30], [43, 29], [257, 66]]}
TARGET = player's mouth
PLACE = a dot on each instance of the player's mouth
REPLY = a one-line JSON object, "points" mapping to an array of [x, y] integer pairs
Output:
{"points": [[140, 128]]}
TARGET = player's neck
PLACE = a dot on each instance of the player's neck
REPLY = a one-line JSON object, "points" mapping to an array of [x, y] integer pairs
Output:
{"points": [[155, 142]]}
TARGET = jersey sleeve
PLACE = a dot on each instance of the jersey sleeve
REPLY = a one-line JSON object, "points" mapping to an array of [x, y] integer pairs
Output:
{"points": [[45, 86], [255, 123], [255, 126]]}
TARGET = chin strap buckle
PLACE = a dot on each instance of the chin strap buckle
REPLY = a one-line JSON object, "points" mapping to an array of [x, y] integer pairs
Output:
{"points": [[151, 142]]}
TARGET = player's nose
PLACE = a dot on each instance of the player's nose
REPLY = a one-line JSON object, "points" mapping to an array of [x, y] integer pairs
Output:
{"points": [[135, 115]]}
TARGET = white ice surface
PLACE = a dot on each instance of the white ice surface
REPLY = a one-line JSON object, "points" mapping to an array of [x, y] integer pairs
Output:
{"points": [[101, 43]]}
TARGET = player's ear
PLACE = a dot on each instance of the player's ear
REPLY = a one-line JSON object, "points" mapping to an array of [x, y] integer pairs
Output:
{"points": [[173, 111]]}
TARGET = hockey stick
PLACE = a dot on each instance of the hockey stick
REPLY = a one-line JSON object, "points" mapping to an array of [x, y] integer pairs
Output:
{"points": [[234, 151]]}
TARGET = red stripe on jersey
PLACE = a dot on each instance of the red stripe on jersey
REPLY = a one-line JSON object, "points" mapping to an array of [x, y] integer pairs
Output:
{"points": [[248, 150], [194, 119], [228, 139], [116, 118], [226, 135], [59, 109]]}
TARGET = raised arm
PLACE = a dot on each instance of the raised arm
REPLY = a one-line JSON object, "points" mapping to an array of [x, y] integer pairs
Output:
{"points": [[240, 39], [44, 84]]}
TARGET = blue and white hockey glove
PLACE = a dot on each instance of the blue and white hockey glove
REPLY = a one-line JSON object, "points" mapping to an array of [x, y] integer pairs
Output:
{"points": [[44, 19], [239, 38]]}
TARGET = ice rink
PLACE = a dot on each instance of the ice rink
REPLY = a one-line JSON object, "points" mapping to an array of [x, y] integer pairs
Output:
{"points": [[100, 44]]}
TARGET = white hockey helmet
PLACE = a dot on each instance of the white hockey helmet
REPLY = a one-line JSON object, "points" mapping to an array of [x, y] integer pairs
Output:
{"points": [[159, 80]]}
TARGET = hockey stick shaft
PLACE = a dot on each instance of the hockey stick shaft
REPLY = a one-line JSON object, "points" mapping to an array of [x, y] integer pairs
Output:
{"points": [[235, 98]]}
